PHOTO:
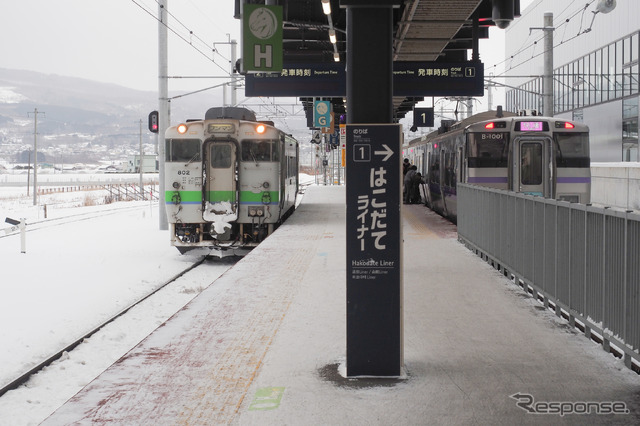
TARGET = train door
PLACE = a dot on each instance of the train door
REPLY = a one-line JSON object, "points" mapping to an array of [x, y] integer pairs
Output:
{"points": [[460, 165], [220, 189], [533, 166], [426, 192], [445, 174]]}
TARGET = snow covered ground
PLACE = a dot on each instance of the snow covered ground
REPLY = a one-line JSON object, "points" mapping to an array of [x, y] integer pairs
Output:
{"points": [[73, 276], [88, 261]]}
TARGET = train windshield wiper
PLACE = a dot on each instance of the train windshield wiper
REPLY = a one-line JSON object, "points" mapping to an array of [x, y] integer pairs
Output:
{"points": [[193, 158]]}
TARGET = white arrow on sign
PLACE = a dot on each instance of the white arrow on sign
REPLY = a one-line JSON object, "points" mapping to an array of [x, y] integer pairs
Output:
{"points": [[388, 152]]}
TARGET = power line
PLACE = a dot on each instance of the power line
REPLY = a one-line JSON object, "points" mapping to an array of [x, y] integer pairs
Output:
{"points": [[192, 34], [535, 42], [181, 36]]}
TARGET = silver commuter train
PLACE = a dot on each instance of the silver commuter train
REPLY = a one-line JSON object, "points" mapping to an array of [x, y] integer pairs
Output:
{"points": [[535, 155], [230, 180]]}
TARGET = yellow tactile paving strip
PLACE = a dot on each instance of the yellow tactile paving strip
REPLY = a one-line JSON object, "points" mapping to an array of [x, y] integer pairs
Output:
{"points": [[421, 223]]}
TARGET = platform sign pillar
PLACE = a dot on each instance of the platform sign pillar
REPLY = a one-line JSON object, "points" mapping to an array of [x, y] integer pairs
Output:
{"points": [[374, 250]]}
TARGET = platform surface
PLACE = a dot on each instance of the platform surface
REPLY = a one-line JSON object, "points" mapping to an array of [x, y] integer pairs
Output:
{"points": [[265, 344]]}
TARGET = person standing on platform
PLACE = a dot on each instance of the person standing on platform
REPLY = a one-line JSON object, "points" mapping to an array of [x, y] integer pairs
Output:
{"points": [[405, 166], [414, 188], [407, 183]]}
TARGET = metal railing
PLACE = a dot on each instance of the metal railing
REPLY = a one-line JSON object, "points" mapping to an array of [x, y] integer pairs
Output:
{"points": [[582, 261]]}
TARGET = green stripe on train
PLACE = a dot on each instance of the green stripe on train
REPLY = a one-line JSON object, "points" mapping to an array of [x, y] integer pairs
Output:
{"points": [[216, 196], [184, 196], [260, 197]]}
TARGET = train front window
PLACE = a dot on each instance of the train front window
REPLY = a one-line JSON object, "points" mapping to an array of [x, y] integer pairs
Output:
{"points": [[259, 151], [182, 150], [220, 156], [572, 149], [487, 149], [531, 163]]}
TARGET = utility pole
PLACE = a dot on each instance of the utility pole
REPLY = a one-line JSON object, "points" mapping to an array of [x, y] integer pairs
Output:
{"points": [[163, 105], [35, 155], [141, 157]]}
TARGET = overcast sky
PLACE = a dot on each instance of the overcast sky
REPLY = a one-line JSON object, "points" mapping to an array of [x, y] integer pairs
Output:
{"points": [[115, 41]]}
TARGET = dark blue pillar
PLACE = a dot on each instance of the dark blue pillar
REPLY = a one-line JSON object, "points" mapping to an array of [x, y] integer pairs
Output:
{"points": [[374, 305]]}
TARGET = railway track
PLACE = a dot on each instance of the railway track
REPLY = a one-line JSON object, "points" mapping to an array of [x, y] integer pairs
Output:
{"points": [[63, 220], [24, 376]]}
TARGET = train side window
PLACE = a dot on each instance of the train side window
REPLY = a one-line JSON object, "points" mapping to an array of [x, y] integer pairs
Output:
{"points": [[292, 166], [435, 168], [448, 169], [182, 150], [220, 156]]}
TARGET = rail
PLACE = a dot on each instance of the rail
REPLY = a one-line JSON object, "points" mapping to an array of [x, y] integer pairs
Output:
{"points": [[26, 375], [579, 260]]}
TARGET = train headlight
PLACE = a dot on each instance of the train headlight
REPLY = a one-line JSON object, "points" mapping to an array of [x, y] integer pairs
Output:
{"points": [[261, 128], [182, 129]]}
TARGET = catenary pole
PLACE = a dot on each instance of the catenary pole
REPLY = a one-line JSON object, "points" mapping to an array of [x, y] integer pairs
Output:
{"points": [[234, 85], [547, 85], [163, 105]]}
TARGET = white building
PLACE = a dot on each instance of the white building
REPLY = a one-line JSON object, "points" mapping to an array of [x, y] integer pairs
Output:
{"points": [[149, 164], [595, 69]]}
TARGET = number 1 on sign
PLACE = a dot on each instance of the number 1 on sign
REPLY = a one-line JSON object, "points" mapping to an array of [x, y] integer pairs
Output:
{"points": [[361, 152]]}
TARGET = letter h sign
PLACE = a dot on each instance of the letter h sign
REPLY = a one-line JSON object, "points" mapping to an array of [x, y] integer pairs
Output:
{"points": [[261, 38]]}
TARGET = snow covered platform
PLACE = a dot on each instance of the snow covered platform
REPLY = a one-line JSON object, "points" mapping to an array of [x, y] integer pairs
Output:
{"points": [[264, 344]]}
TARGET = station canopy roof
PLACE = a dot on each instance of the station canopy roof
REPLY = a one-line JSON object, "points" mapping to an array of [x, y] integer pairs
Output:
{"points": [[424, 30]]}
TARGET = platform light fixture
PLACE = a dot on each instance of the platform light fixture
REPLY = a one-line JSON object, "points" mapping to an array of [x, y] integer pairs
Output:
{"points": [[336, 56], [326, 7], [332, 36]]}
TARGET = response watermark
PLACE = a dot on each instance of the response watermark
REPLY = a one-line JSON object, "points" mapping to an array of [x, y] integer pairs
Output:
{"points": [[562, 408]]}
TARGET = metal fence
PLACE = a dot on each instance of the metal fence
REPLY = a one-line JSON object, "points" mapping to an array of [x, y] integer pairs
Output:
{"points": [[582, 261]]}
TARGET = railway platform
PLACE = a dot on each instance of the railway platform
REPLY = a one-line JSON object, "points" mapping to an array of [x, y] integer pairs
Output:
{"points": [[265, 344]]}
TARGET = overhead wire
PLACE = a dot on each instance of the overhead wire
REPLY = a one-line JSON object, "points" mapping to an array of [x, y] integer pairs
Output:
{"points": [[535, 42], [192, 34], [180, 36]]}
